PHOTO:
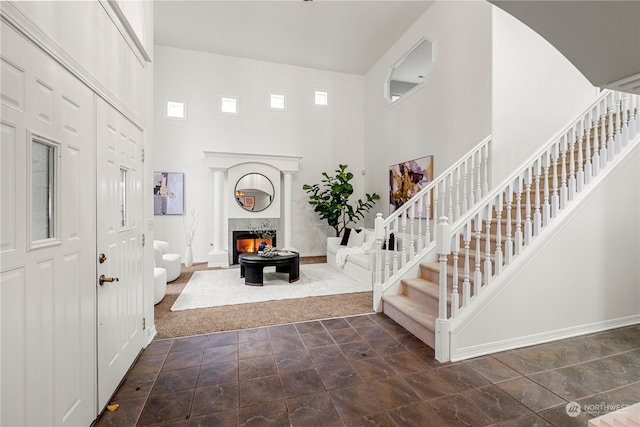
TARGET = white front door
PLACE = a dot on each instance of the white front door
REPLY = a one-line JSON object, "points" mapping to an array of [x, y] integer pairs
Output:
{"points": [[119, 247], [47, 241]]}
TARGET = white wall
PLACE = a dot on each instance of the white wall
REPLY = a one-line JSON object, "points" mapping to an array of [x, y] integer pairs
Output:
{"points": [[450, 114], [581, 279], [536, 91], [323, 136]]}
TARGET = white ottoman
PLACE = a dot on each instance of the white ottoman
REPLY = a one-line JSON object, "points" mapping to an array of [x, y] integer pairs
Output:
{"points": [[159, 284]]}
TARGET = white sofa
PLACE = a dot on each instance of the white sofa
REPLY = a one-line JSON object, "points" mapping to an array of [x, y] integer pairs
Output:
{"points": [[357, 266], [168, 260], [360, 266]]}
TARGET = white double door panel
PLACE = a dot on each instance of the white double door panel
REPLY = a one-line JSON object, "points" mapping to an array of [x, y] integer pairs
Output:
{"points": [[119, 238], [66, 342], [47, 281]]}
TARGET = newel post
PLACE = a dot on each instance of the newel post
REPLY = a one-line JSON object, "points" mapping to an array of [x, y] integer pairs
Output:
{"points": [[377, 279], [443, 248]]}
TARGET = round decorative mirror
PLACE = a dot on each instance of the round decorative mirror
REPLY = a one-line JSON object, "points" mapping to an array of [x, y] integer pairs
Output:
{"points": [[254, 192]]}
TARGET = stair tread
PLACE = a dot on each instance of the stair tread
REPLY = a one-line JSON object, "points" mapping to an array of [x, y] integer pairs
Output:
{"points": [[412, 309], [426, 287]]}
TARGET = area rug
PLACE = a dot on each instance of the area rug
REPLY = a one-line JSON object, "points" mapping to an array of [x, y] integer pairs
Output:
{"points": [[214, 288]]}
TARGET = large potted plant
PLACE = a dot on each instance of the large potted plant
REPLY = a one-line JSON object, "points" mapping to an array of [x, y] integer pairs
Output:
{"points": [[330, 198]]}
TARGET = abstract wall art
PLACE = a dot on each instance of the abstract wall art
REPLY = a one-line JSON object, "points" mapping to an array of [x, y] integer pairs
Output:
{"points": [[406, 179]]}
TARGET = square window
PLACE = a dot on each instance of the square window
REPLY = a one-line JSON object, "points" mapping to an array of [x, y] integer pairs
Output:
{"points": [[176, 110], [229, 105], [277, 102], [321, 98]]}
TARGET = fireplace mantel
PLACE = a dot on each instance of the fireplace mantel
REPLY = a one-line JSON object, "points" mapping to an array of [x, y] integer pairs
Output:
{"points": [[217, 160], [221, 163]]}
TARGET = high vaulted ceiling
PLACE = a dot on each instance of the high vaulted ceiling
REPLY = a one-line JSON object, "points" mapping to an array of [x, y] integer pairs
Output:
{"points": [[342, 36], [600, 37]]}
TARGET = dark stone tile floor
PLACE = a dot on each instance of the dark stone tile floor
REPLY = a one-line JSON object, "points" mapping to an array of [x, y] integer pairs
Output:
{"points": [[368, 371]]}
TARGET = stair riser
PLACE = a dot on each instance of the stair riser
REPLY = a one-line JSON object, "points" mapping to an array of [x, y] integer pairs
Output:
{"points": [[414, 294], [422, 333]]}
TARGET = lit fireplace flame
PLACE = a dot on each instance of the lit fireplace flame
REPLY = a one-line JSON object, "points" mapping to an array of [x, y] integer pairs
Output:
{"points": [[250, 245]]}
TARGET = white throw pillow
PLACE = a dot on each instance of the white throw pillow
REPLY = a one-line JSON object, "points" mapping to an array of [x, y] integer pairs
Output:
{"points": [[356, 239]]}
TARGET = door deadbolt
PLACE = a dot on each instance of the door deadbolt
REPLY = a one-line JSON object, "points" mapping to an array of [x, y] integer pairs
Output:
{"points": [[102, 258]]}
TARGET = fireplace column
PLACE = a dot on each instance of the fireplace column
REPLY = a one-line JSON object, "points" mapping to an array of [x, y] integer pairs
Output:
{"points": [[287, 209], [218, 256]]}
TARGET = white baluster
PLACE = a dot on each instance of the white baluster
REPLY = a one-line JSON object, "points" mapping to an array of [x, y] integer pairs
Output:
{"points": [[477, 274], [508, 243], [555, 195], [434, 201], [596, 146], [625, 119], [528, 229], [610, 134], [472, 175], [394, 265], [537, 214], [450, 178], [487, 245], [498, 252], [412, 249], [572, 168], [617, 139], [420, 219], [466, 282], [518, 234], [443, 248], [457, 172], [546, 205], [403, 260], [588, 170], [455, 298], [485, 169], [564, 189], [465, 190], [377, 288], [428, 216], [479, 193], [580, 173], [603, 138]]}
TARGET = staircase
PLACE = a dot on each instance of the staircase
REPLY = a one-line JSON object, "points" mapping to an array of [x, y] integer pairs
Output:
{"points": [[474, 243]]}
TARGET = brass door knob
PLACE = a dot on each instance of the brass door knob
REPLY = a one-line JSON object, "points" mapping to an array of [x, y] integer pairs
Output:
{"points": [[102, 279]]}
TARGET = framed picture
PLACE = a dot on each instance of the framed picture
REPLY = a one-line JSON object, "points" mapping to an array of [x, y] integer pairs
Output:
{"points": [[406, 179], [249, 202], [168, 193]]}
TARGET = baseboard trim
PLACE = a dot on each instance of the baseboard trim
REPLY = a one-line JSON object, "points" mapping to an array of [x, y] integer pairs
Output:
{"points": [[464, 353]]}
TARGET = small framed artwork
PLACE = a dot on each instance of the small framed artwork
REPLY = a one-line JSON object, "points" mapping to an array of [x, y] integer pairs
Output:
{"points": [[168, 193], [406, 179], [249, 202]]}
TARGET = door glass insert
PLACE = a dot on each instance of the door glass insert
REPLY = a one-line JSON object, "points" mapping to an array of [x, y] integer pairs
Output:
{"points": [[43, 183], [123, 197]]}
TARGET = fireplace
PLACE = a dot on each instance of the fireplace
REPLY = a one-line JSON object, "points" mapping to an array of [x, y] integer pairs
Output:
{"points": [[246, 241]]}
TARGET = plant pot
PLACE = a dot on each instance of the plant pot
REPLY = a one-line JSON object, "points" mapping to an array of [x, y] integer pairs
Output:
{"points": [[188, 257]]}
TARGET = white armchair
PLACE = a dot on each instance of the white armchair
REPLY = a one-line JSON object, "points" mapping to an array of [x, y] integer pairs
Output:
{"points": [[169, 261], [159, 277]]}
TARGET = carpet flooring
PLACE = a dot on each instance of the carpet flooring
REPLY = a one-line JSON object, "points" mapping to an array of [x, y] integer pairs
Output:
{"points": [[243, 316]]}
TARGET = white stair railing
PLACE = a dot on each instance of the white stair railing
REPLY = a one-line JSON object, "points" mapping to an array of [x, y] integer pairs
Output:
{"points": [[407, 234], [555, 174]]}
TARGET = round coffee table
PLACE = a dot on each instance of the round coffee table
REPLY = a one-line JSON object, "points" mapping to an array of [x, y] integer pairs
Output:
{"points": [[251, 265]]}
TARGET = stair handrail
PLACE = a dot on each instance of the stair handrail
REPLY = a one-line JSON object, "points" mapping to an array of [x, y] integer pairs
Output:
{"points": [[454, 191], [613, 120]]}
